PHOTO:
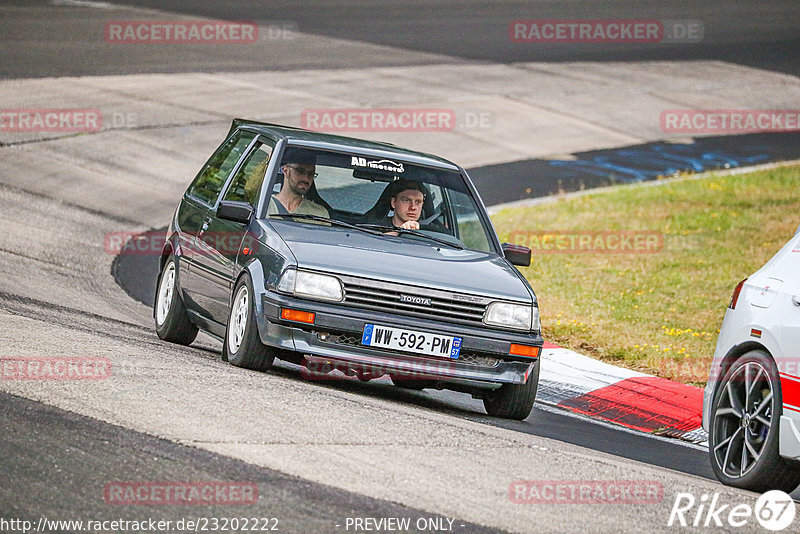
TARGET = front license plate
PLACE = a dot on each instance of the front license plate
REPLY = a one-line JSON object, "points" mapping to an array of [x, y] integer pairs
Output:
{"points": [[389, 337]]}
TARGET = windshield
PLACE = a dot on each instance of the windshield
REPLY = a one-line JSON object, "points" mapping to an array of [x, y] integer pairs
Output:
{"points": [[373, 193]]}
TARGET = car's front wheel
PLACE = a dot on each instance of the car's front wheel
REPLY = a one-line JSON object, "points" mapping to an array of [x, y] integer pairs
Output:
{"points": [[172, 321], [513, 401], [743, 436], [243, 347]]}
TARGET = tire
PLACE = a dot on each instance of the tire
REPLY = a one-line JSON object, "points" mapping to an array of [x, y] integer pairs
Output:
{"points": [[513, 401], [242, 346], [172, 321], [734, 421]]}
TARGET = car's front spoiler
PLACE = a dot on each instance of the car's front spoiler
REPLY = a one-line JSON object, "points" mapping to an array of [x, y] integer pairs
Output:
{"points": [[374, 363], [311, 341]]}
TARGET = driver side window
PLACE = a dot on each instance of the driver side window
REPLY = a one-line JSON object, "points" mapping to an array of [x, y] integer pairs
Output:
{"points": [[468, 225]]}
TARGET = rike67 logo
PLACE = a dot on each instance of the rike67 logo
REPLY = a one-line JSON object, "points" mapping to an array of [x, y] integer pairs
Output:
{"points": [[774, 510]]}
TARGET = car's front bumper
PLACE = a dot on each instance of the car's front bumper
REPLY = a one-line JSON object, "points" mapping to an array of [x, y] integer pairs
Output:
{"points": [[336, 333]]}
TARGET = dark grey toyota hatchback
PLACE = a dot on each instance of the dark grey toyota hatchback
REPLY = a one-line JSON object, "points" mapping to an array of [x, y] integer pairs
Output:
{"points": [[349, 256]]}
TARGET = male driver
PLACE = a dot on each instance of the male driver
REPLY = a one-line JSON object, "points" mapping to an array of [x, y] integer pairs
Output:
{"points": [[299, 170], [407, 204]]}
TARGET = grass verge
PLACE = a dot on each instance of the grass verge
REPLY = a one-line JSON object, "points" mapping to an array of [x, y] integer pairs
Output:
{"points": [[657, 305]]}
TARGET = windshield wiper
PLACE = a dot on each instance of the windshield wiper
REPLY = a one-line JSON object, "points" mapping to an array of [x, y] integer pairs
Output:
{"points": [[400, 231], [327, 220]]}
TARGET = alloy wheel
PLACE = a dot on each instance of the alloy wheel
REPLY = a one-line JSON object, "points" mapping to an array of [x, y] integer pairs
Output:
{"points": [[743, 419], [165, 290], [238, 320]]}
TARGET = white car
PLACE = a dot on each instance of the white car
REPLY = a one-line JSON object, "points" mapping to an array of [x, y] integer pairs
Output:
{"points": [[751, 405]]}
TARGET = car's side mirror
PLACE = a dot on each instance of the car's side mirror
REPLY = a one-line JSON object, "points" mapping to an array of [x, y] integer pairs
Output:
{"points": [[232, 210], [517, 254]]}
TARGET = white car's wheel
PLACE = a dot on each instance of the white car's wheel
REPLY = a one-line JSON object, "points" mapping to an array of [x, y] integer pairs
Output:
{"points": [[743, 436], [172, 321]]}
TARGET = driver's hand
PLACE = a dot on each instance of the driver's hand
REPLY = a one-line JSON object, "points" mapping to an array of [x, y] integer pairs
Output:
{"points": [[410, 225]]}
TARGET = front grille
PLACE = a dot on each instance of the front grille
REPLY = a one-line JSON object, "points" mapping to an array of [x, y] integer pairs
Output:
{"points": [[387, 297], [354, 340], [349, 340]]}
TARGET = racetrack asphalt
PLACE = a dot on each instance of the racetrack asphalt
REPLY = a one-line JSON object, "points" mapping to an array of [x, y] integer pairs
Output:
{"points": [[97, 455], [369, 33]]}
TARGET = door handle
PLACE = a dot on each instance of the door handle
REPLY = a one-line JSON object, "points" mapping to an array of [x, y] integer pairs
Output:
{"points": [[796, 300]]}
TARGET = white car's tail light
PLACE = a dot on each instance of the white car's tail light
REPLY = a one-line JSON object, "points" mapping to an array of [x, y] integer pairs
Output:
{"points": [[735, 296]]}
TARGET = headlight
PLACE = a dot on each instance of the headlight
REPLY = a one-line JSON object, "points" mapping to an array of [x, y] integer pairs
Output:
{"points": [[310, 285], [516, 316]]}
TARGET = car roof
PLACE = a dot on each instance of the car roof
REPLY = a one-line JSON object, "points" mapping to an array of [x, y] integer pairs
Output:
{"points": [[299, 136]]}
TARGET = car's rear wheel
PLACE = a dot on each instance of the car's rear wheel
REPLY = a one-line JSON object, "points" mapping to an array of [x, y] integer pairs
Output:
{"points": [[172, 321], [513, 401], [743, 436], [242, 346]]}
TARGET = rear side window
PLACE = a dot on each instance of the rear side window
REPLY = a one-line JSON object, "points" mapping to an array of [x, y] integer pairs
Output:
{"points": [[246, 185], [209, 182]]}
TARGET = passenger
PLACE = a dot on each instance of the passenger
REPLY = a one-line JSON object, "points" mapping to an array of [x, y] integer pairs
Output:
{"points": [[407, 204], [299, 171]]}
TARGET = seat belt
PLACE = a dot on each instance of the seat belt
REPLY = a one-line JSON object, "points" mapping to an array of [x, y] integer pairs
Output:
{"points": [[279, 206]]}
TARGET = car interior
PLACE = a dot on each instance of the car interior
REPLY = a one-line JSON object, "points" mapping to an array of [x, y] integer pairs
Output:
{"points": [[431, 219]]}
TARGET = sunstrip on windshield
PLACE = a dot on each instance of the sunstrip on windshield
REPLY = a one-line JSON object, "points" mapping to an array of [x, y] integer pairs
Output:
{"points": [[381, 165]]}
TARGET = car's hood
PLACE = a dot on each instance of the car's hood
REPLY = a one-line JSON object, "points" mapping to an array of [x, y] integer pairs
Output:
{"points": [[403, 259]]}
